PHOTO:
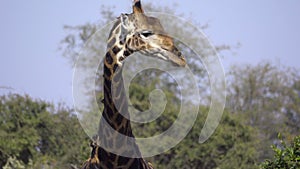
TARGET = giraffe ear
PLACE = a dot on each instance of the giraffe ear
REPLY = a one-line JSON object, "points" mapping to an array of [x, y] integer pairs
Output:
{"points": [[137, 7]]}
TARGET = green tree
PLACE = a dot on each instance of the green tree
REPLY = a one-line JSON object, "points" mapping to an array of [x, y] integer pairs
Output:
{"points": [[267, 96], [286, 156], [34, 133], [233, 144], [19, 119]]}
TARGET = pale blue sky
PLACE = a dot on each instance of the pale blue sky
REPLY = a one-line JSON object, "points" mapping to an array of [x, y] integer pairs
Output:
{"points": [[31, 31]]}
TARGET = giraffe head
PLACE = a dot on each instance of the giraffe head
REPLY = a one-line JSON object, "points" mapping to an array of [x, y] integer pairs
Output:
{"points": [[144, 34]]}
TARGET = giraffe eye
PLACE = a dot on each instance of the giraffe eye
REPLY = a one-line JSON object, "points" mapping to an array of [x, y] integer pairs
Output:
{"points": [[147, 34]]}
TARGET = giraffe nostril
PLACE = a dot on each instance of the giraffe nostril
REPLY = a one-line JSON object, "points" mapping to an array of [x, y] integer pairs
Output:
{"points": [[179, 54]]}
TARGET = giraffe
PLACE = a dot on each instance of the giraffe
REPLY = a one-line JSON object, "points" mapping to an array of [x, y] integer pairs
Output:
{"points": [[93, 161], [135, 32]]}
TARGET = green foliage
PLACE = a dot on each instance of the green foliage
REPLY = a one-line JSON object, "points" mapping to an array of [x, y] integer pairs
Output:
{"points": [[19, 120], [231, 146], [13, 163], [286, 156], [59, 142], [267, 96], [35, 133]]}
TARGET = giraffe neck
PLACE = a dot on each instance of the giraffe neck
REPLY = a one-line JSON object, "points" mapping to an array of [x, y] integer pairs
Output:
{"points": [[115, 111], [115, 103], [116, 115]]}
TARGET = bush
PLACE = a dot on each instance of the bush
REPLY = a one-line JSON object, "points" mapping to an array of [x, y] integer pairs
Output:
{"points": [[286, 156]]}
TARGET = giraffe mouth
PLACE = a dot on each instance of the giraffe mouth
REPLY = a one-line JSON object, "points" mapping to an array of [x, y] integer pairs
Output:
{"points": [[175, 58], [170, 57]]}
